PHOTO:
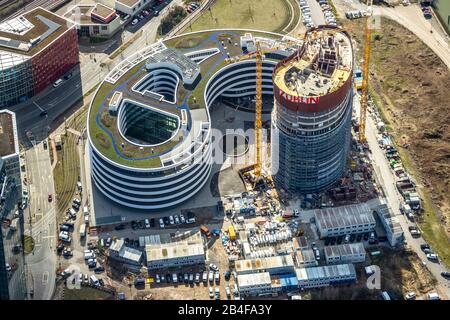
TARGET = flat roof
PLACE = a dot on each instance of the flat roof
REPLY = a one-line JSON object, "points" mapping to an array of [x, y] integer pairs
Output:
{"points": [[346, 249], [282, 261], [82, 13], [253, 279], [343, 216], [326, 272], [103, 11], [390, 220], [32, 31], [305, 256], [190, 246], [321, 68], [8, 134], [128, 3]]}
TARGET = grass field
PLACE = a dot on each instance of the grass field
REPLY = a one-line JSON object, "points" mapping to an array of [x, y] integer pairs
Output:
{"points": [[66, 172], [28, 244], [268, 15]]}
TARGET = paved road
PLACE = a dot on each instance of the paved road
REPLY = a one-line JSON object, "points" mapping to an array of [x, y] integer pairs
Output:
{"points": [[387, 179], [56, 101], [316, 13], [410, 17], [41, 213]]}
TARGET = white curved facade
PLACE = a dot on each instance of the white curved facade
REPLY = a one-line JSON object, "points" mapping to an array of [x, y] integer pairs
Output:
{"points": [[186, 168]]}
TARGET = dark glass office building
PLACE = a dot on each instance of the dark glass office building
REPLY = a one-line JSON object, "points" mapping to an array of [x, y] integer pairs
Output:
{"points": [[13, 273]]}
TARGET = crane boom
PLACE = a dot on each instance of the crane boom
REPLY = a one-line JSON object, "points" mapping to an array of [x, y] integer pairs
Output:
{"points": [[258, 55], [365, 81], [258, 111]]}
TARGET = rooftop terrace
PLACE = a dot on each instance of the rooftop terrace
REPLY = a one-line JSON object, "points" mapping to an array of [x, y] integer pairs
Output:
{"points": [[31, 32], [8, 134], [86, 13], [187, 104]]}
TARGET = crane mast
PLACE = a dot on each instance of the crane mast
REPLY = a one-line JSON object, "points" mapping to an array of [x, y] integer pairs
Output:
{"points": [[365, 82], [258, 111]]}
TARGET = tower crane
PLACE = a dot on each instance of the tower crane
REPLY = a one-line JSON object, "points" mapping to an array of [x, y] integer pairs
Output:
{"points": [[258, 55], [365, 81]]}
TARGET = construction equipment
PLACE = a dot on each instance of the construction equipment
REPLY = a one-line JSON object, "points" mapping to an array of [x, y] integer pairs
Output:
{"points": [[365, 81], [258, 55]]}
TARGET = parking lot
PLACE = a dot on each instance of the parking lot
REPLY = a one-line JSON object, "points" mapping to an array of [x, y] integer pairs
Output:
{"points": [[194, 282], [316, 13]]}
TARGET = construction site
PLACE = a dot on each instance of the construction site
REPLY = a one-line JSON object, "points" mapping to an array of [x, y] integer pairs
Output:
{"points": [[300, 202]]}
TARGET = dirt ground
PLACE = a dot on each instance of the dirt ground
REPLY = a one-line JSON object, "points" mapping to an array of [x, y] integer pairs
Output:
{"points": [[401, 272], [410, 83]]}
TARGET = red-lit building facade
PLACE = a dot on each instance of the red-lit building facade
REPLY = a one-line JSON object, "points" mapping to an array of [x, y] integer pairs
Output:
{"points": [[36, 49], [55, 60]]}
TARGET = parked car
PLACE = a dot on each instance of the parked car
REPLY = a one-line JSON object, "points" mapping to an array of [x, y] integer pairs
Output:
{"points": [[410, 296], [157, 278], [182, 219], [445, 274], [197, 278], [161, 223], [119, 227], [99, 269], [213, 267], [227, 275], [217, 292], [432, 257], [205, 276], [171, 220], [134, 22], [211, 276], [177, 220], [211, 292], [217, 277], [147, 224], [228, 292]]}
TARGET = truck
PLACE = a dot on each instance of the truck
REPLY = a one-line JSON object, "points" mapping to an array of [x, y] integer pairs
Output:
{"points": [[232, 233], [94, 280], [358, 79], [204, 229], [13, 225], [83, 230]]}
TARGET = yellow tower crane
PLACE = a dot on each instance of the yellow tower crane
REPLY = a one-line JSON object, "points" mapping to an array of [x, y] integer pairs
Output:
{"points": [[258, 55], [365, 81]]}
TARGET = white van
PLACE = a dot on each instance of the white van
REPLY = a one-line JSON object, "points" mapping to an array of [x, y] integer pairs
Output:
{"points": [[85, 211], [57, 83], [433, 296], [88, 254], [94, 280]]}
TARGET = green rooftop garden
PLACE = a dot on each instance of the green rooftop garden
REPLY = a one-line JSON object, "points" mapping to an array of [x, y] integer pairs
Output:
{"points": [[103, 141]]}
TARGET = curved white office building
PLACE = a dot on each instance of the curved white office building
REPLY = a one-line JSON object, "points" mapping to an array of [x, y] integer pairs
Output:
{"points": [[149, 125]]}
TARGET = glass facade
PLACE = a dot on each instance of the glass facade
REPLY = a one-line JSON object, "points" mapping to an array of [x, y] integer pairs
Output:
{"points": [[146, 126], [22, 77], [309, 150], [12, 260], [16, 80]]}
